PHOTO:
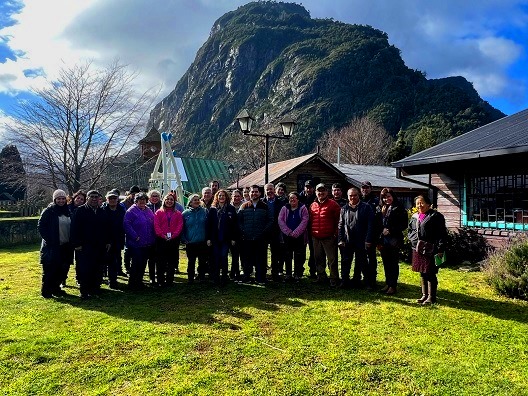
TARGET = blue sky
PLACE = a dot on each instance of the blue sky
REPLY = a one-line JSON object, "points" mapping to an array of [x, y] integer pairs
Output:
{"points": [[486, 41]]}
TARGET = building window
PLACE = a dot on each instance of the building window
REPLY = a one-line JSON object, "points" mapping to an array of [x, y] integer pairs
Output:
{"points": [[499, 202]]}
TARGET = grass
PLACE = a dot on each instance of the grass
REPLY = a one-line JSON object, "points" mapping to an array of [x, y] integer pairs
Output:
{"points": [[249, 340]]}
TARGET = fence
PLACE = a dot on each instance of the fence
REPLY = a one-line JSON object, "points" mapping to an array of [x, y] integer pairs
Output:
{"points": [[19, 209]]}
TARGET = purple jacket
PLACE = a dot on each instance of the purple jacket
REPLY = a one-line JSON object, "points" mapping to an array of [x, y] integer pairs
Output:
{"points": [[139, 223]]}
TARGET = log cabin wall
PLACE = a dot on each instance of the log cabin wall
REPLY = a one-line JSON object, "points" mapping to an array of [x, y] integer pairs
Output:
{"points": [[316, 171], [449, 198]]}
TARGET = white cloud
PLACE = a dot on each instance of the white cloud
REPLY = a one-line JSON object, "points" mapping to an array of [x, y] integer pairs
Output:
{"points": [[160, 38], [37, 35]]}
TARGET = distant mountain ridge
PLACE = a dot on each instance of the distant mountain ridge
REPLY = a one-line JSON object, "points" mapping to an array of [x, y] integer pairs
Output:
{"points": [[274, 59]]}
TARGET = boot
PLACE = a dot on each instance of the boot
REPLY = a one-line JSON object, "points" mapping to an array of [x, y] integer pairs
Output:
{"points": [[432, 294], [425, 293]]}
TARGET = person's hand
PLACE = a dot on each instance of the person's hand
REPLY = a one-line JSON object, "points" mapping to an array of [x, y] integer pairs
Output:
{"points": [[440, 254], [78, 248], [233, 243], [341, 244], [385, 231], [209, 243], [108, 247]]}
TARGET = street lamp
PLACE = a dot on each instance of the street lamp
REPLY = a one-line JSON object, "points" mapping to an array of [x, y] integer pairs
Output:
{"points": [[246, 122], [242, 171]]}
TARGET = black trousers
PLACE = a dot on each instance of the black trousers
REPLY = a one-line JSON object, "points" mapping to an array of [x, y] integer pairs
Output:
{"points": [[294, 250], [196, 251], [255, 254], [391, 257], [167, 260], [90, 264]]}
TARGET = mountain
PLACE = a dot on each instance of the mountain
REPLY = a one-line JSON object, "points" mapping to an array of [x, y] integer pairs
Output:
{"points": [[274, 59]]}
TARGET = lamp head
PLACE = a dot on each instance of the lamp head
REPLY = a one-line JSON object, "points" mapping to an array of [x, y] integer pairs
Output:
{"points": [[245, 121], [288, 125]]}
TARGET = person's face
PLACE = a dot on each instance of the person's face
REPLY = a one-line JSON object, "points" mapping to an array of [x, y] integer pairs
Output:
{"points": [[207, 194], [237, 198], [214, 187], [337, 193], [60, 201], [195, 202], [93, 200], [254, 194], [322, 194], [280, 191], [246, 194], [388, 199], [308, 190], [169, 201], [353, 197], [79, 200], [222, 198], [112, 201], [141, 203], [270, 191], [294, 201], [365, 190], [154, 198], [422, 206]]}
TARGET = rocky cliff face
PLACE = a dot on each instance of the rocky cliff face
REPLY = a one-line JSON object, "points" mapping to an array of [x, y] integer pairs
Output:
{"points": [[273, 59]]}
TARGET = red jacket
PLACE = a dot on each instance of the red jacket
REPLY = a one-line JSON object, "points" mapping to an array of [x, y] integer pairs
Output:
{"points": [[168, 221], [324, 218]]}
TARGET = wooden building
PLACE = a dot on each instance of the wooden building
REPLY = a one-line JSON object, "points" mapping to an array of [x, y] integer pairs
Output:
{"points": [[479, 179], [296, 171]]}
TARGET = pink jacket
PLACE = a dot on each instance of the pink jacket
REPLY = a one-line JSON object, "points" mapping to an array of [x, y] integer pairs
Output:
{"points": [[166, 221]]}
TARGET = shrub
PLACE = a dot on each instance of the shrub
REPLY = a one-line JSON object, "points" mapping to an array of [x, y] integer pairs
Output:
{"points": [[466, 244], [507, 269]]}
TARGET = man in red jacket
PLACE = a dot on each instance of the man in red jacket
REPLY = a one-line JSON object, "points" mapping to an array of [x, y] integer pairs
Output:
{"points": [[324, 220]]}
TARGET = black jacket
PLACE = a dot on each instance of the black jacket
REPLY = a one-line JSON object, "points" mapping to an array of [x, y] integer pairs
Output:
{"points": [[432, 229], [89, 227]]}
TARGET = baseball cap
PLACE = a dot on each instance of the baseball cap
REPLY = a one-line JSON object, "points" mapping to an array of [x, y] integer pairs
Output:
{"points": [[366, 183], [320, 186], [112, 193]]}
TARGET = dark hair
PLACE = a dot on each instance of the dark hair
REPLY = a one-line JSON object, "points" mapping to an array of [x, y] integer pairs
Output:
{"points": [[281, 184], [424, 198], [337, 185], [140, 195], [80, 192], [383, 194], [296, 194], [254, 186]]}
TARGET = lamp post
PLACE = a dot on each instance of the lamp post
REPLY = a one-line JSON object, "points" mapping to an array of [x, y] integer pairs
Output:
{"points": [[246, 122], [242, 171]]}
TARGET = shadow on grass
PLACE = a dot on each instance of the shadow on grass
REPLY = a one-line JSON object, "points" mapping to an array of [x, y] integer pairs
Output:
{"points": [[223, 307]]}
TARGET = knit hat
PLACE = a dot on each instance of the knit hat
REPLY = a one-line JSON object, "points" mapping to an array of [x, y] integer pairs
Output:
{"points": [[58, 193]]}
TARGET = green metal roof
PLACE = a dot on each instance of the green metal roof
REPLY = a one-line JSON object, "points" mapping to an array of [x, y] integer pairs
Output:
{"points": [[199, 172]]}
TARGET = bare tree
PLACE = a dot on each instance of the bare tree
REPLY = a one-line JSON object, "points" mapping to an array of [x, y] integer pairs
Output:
{"points": [[362, 142], [79, 124]]}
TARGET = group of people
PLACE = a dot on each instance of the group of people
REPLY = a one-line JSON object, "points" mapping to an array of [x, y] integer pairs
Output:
{"points": [[93, 231]]}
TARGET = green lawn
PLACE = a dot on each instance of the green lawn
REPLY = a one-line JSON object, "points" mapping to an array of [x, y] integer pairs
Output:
{"points": [[299, 339]]}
